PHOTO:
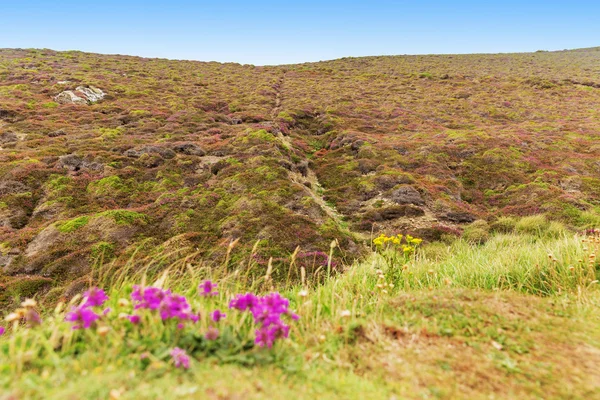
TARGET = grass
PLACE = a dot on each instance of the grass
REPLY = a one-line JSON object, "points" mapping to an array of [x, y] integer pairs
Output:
{"points": [[448, 323]]}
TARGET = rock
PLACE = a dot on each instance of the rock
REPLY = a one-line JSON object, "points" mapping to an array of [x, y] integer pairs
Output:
{"points": [[346, 140], [73, 162], [42, 241], [57, 133], [47, 210], [140, 151], [189, 149], [69, 97], [459, 217], [393, 212], [81, 95], [216, 167], [407, 195], [8, 115], [13, 218], [388, 181], [8, 137], [6, 261], [91, 93]]}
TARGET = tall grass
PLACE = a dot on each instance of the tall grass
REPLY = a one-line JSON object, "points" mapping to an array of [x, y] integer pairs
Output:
{"points": [[526, 263]]}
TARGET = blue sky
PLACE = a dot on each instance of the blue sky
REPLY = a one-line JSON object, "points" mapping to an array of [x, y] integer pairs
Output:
{"points": [[270, 32]]}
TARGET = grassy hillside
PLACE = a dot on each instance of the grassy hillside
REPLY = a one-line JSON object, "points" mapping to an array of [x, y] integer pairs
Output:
{"points": [[513, 318], [376, 227], [295, 155]]}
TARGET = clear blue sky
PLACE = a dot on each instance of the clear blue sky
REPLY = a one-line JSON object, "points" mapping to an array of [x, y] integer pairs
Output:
{"points": [[270, 32]]}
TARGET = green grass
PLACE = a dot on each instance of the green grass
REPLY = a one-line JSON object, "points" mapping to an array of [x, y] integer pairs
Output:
{"points": [[447, 324]]}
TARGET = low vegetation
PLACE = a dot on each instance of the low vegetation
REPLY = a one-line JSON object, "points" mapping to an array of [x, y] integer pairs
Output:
{"points": [[295, 155], [505, 319]]}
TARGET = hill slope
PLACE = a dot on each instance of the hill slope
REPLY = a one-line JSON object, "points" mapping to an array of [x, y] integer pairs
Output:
{"points": [[186, 156]]}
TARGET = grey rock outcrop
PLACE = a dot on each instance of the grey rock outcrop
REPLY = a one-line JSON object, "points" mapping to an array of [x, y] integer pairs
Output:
{"points": [[407, 195], [81, 95]]}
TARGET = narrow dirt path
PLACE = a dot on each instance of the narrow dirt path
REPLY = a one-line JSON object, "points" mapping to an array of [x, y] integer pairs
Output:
{"points": [[278, 96]]}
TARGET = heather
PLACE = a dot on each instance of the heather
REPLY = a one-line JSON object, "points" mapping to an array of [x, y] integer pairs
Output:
{"points": [[182, 156], [374, 227]]}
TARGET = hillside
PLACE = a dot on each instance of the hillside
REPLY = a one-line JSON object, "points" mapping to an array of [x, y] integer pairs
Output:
{"points": [[180, 158]]}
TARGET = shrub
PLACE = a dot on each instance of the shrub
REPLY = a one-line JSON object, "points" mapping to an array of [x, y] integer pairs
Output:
{"points": [[540, 226], [504, 225], [477, 233]]}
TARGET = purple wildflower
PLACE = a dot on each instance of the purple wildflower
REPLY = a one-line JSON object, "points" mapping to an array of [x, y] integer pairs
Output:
{"points": [[82, 317], [243, 302], [2, 330], [149, 297], [217, 315], [212, 333], [94, 297], [134, 319], [180, 358], [169, 305], [207, 288], [267, 312]]}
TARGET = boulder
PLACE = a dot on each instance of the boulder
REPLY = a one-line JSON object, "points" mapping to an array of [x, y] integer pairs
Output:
{"points": [[460, 217], [189, 149], [69, 97], [407, 195], [8, 137], [81, 95], [73, 162], [57, 133], [140, 151]]}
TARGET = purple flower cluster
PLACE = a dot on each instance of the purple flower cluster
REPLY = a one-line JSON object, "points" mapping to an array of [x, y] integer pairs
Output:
{"points": [[217, 315], [207, 289], [83, 316], [2, 330], [180, 358], [267, 312], [169, 305], [94, 297]]}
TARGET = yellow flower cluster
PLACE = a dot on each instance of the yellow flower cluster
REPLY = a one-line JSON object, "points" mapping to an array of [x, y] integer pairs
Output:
{"points": [[407, 245], [383, 239]]}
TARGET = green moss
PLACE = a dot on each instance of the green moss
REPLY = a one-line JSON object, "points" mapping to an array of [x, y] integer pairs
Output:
{"points": [[107, 186], [73, 224], [124, 217], [284, 115], [58, 182], [261, 135], [111, 133]]}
